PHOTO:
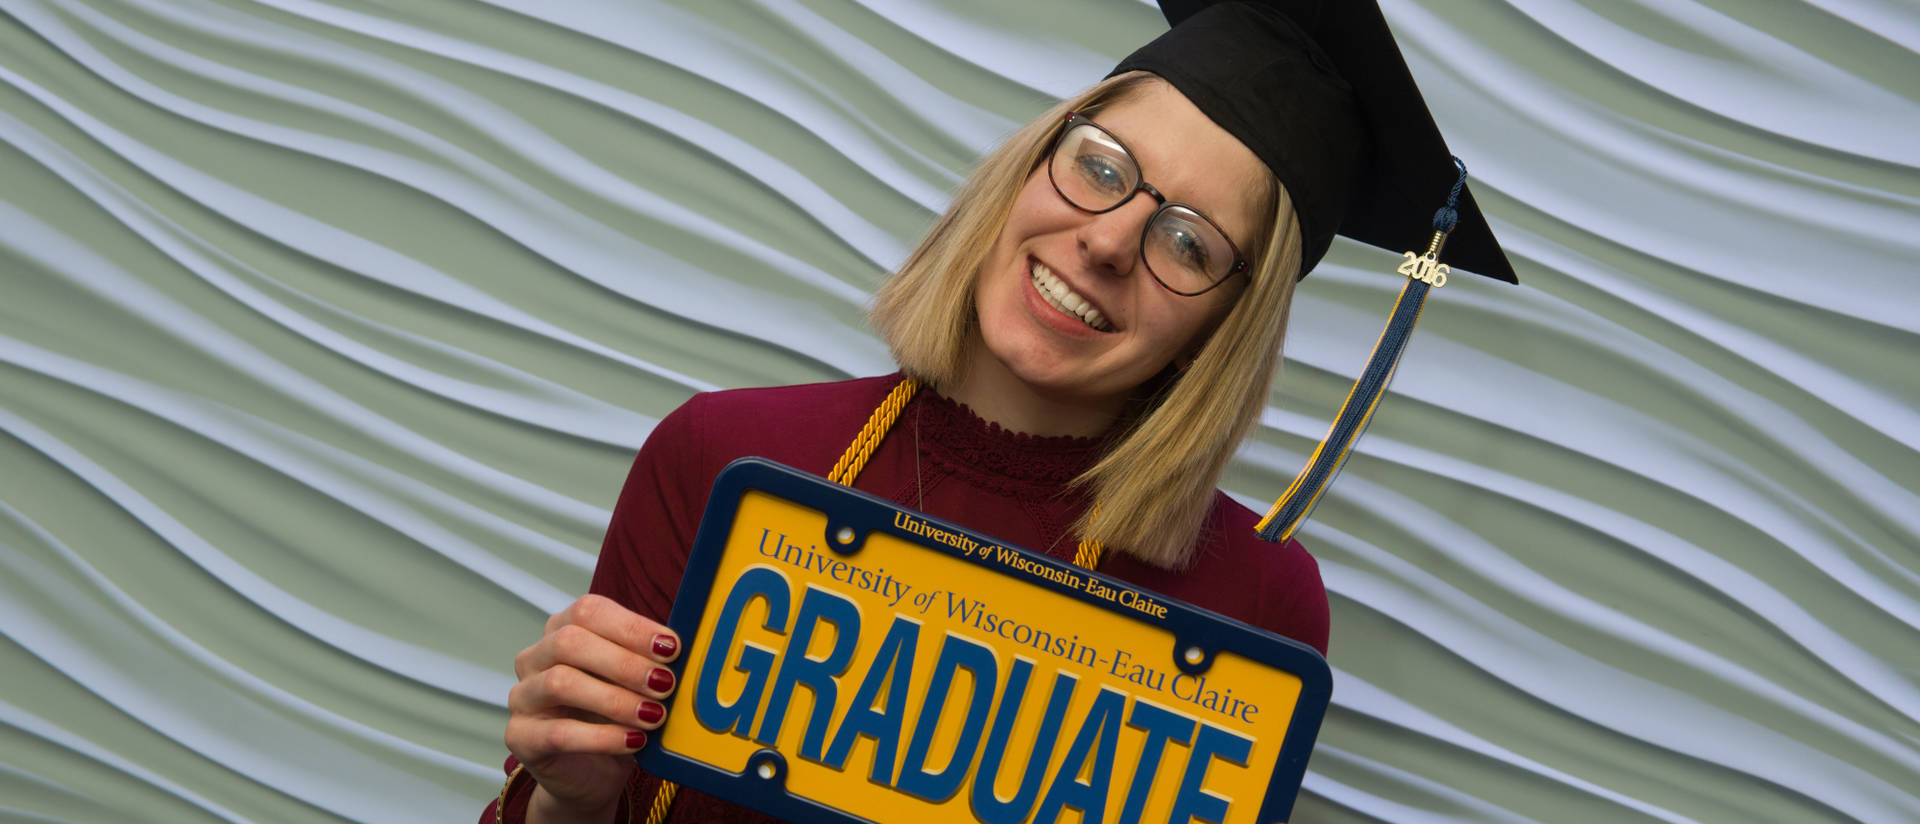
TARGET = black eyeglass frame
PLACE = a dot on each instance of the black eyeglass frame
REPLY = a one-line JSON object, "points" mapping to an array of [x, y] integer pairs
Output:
{"points": [[1240, 263]]}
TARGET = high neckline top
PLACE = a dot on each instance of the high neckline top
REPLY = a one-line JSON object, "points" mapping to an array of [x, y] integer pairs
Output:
{"points": [[957, 436]]}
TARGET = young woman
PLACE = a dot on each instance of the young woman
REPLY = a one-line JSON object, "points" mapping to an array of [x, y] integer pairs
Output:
{"points": [[1084, 338]]}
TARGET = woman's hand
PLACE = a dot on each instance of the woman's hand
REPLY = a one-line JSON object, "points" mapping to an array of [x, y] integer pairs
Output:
{"points": [[589, 690]]}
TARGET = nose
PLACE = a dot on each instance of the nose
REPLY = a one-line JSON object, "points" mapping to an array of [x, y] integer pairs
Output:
{"points": [[1110, 242]]}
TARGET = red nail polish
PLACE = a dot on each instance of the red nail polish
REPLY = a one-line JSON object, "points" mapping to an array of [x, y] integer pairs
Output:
{"points": [[636, 739], [651, 713], [665, 645], [660, 680]]}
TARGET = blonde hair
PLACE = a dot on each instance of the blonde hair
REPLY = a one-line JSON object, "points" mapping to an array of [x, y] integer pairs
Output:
{"points": [[1155, 483]]}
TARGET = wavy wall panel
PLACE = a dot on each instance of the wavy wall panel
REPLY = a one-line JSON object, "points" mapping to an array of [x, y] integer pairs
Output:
{"points": [[327, 330]]}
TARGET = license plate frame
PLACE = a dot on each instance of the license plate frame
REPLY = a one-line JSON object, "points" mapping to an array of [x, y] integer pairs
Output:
{"points": [[785, 767]]}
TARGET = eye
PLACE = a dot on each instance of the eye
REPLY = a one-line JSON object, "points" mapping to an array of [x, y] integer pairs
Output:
{"points": [[1187, 247], [1104, 174]]}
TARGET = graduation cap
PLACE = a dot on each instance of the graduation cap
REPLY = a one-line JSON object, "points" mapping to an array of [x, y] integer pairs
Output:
{"points": [[1318, 91]]}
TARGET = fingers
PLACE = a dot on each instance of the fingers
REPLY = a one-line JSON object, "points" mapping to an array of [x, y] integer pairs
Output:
{"points": [[534, 736], [563, 687], [609, 620], [576, 646], [599, 659]]}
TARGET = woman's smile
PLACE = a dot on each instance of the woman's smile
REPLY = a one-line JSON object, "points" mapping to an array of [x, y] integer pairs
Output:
{"points": [[1060, 295]]}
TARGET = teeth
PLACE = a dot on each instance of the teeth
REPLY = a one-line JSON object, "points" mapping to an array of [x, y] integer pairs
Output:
{"points": [[1056, 293]]}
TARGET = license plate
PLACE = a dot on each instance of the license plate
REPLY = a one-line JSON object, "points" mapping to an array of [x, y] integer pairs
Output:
{"points": [[851, 660]]}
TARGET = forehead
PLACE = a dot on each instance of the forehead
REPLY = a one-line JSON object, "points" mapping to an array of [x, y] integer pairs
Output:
{"points": [[1189, 158]]}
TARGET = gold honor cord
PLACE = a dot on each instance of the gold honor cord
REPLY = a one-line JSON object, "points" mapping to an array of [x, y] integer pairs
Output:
{"points": [[1424, 272], [662, 803], [844, 471]]}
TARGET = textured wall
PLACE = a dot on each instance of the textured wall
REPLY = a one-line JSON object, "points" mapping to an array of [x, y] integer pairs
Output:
{"points": [[327, 329]]}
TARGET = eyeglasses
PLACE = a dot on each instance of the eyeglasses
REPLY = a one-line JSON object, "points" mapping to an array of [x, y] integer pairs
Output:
{"points": [[1184, 250]]}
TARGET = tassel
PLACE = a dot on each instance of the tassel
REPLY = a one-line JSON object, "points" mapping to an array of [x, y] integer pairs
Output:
{"points": [[1424, 273]]}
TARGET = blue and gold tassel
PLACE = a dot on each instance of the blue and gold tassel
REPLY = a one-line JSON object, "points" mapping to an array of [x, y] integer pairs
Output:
{"points": [[1424, 273]]}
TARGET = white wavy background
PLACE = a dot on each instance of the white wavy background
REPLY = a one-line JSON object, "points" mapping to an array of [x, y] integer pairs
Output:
{"points": [[327, 330]]}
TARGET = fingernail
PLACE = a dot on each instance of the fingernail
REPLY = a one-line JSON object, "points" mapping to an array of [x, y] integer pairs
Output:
{"points": [[636, 739], [651, 713], [665, 645], [660, 680]]}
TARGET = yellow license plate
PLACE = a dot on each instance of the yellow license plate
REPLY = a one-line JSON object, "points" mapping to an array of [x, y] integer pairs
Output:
{"points": [[851, 660]]}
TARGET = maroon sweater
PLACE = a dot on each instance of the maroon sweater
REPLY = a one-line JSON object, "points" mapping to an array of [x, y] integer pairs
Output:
{"points": [[941, 459]]}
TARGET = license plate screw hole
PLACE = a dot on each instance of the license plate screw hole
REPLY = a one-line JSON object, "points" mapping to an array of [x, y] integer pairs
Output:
{"points": [[845, 535], [765, 771], [1193, 655]]}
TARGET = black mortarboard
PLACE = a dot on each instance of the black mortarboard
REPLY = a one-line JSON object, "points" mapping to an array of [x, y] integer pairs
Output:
{"points": [[1318, 90]]}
